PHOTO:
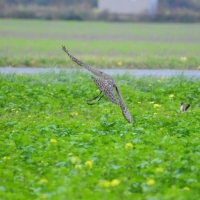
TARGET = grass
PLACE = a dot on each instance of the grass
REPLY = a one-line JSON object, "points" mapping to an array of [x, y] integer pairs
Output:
{"points": [[54, 145], [37, 43]]}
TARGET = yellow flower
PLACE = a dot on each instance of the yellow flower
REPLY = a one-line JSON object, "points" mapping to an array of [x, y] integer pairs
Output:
{"points": [[159, 169], [171, 96], [75, 159], [114, 182], [73, 113], [52, 140], [129, 145], [162, 77], [42, 196], [183, 59], [119, 63], [152, 102], [156, 105], [105, 184], [6, 158], [77, 166], [43, 180], [88, 163], [198, 68], [32, 62], [150, 182], [70, 154], [186, 188]]}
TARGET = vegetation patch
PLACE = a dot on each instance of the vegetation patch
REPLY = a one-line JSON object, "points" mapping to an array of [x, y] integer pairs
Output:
{"points": [[54, 145], [34, 43]]}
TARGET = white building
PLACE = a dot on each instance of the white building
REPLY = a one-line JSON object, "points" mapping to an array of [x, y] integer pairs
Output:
{"points": [[128, 6]]}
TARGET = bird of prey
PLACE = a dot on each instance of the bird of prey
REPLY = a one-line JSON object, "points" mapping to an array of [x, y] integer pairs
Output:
{"points": [[184, 107], [106, 85]]}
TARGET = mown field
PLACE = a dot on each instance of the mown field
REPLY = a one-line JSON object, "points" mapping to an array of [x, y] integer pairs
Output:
{"points": [[37, 43], [55, 146]]}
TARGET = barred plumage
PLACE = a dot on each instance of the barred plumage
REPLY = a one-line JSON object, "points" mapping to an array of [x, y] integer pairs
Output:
{"points": [[106, 89], [105, 85]]}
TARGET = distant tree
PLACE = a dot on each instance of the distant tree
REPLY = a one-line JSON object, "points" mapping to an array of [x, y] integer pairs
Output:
{"points": [[11, 1], [173, 4], [2, 5], [93, 3]]}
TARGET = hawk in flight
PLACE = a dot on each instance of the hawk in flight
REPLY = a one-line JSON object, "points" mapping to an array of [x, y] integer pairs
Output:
{"points": [[106, 85]]}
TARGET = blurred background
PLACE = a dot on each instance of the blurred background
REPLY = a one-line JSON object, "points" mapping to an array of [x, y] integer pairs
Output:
{"points": [[112, 10], [132, 34]]}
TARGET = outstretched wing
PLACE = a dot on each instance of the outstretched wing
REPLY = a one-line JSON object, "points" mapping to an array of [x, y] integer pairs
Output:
{"points": [[106, 89], [123, 107], [105, 85], [94, 71]]}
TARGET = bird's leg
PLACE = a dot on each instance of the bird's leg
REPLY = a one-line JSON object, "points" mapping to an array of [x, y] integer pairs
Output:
{"points": [[94, 98], [100, 98]]}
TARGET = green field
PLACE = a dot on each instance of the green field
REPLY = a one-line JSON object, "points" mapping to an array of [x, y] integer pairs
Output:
{"points": [[55, 146], [37, 43]]}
